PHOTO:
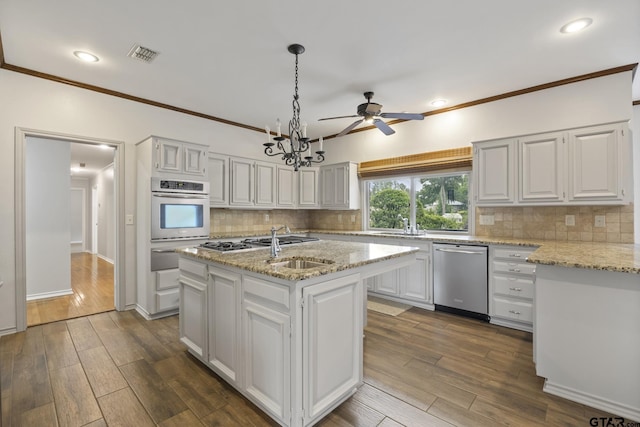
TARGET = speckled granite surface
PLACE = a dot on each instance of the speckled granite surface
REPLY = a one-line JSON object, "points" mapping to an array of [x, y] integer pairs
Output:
{"points": [[340, 255], [619, 257]]}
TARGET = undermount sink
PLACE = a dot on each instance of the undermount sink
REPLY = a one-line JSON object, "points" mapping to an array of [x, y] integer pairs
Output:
{"points": [[299, 264]]}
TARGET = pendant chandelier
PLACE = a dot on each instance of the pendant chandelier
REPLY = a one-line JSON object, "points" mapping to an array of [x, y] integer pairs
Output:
{"points": [[297, 152]]}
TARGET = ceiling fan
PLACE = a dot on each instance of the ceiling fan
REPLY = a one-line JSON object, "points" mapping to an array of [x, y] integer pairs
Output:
{"points": [[370, 113]]}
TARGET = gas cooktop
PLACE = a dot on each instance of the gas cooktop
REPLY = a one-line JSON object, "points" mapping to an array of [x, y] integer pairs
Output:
{"points": [[255, 243]]}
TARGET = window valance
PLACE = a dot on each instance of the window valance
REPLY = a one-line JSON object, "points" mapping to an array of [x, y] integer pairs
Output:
{"points": [[454, 159]]}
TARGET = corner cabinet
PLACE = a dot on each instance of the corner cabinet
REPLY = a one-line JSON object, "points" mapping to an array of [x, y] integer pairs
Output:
{"points": [[339, 186], [589, 165]]}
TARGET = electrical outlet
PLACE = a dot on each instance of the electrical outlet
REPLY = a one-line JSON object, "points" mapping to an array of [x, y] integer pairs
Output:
{"points": [[570, 220], [487, 220], [266, 217], [600, 221]]}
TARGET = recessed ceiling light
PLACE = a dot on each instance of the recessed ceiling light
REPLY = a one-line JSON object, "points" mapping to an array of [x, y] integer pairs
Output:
{"points": [[577, 25], [85, 56], [438, 102]]}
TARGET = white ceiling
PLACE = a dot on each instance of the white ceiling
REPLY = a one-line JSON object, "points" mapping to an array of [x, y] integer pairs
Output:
{"points": [[230, 60], [94, 157]]}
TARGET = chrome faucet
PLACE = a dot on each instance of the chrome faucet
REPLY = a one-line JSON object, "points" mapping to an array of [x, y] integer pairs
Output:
{"points": [[275, 243]]}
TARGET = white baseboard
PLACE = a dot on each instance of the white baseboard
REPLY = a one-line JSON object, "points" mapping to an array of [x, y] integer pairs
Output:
{"points": [[628, 412], [102, 257], [53, 294], [8, 331], [148, 316]]}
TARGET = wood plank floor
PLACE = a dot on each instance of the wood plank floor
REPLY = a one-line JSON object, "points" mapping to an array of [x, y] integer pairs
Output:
{"points": [[93, 288], [421, 368]]}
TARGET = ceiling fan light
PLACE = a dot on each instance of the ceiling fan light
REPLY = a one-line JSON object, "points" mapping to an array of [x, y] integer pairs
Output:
{"points": [[85, 56], [575, 26]]}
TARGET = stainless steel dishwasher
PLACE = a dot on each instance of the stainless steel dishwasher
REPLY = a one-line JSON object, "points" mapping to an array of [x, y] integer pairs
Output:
{"points": [[460, 279]]}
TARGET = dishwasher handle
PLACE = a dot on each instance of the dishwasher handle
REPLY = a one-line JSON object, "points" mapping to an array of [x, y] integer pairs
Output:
{"points": [[460, 251]]}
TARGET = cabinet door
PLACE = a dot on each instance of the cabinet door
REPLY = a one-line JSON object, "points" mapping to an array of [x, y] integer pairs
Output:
{"points": [[195, 159], [308, 187], [224, 322], [241, 182], [542, 168], [267, 358], [387, 283], [218, 180], [286, 187], [494, 167], [332, 343], [595, 171], [327, 195], [193, 316], [169, 155], [341, 185], [415, 280], [265, 184]]}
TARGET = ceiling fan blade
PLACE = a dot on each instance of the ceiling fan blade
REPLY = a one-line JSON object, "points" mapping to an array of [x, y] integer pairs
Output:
{"points": [[403, 116], [337, 117], [351, 126], [383, 127]]}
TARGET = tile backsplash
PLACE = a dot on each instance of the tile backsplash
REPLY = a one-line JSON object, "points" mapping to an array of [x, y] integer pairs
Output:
{"points": [[549, 223], [234, 222]]}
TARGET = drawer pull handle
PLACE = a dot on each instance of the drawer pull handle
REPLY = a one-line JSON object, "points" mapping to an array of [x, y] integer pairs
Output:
{"points": [[516, 289], [515, 255], [514, 312], [515, 270]]}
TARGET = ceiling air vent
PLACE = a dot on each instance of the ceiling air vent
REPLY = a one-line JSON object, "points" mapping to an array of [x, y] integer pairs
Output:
{"points": [[142, 53]]}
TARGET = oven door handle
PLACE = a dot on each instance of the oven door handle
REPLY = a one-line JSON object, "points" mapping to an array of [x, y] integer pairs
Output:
{"points": [[179, 196]]}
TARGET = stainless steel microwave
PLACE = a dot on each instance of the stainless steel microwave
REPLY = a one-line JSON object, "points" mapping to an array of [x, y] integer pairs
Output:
{"points": [[179, 209]]}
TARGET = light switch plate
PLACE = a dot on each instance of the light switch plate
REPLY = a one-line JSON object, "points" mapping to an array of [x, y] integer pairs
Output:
{"points": [[600, 221]]}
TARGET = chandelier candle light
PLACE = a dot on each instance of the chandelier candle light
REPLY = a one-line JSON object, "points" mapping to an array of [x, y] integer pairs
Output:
{"points": [[298, 152]]}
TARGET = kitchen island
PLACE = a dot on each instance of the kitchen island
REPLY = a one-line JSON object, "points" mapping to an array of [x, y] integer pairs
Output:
{"points": [[286, 332]]}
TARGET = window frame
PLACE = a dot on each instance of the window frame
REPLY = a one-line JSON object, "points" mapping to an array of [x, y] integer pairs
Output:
{"points": [[412, 201]]}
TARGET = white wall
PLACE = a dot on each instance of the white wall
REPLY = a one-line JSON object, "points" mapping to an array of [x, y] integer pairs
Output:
{"points": [[47, 218], [47, 106]]}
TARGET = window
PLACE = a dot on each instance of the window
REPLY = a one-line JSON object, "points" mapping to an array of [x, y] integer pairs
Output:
{"points": [[440, 202]]}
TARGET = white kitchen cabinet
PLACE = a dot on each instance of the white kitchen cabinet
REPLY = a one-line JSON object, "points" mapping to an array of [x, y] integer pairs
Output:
{"points": [[590, 165], [286, 186], [308, 187], [415, 280], [265, 185], [178, 157], [597, 163], [511, 287], [541, 160], [332, 348], [339, 186], [242, 182], [494, 167], [193, 308], [218, 180], [224, 322]]}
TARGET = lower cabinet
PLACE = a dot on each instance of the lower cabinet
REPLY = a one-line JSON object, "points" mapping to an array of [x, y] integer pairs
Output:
{"points": [[295, 351], [511, 287]]}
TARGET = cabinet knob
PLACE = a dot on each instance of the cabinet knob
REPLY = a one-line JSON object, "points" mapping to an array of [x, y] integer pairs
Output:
{"points": [[514, 312]]}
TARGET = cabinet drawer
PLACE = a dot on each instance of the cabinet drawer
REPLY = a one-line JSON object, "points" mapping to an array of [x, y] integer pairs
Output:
{"points": [[514, 267], [277, 294], [198, 269], [513, 286], [514, 310], [167, 279], [166, 300], [512, 253]]}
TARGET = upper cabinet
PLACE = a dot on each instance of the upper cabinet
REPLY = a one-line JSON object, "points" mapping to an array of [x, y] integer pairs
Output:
{"points": [[218, 180], [580, 166], [308, 188], [177, 157], [339, 187], [286, 179]]}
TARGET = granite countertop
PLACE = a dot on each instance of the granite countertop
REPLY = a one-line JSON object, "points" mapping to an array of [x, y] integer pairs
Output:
{"points": [[620, 257], [340, 255]]}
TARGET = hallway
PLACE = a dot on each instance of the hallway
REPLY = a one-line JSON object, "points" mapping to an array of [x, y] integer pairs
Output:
{"points": [[92, 285]]}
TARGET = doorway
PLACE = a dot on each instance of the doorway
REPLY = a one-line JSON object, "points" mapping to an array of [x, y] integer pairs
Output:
{"points": [[64, 271]]}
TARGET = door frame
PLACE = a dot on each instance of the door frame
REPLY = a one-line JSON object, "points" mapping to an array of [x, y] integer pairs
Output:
{"points": [[21, 135]]}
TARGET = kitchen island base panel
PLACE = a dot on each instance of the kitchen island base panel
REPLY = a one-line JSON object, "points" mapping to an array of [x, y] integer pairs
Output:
{"points": [[587, 337]]}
